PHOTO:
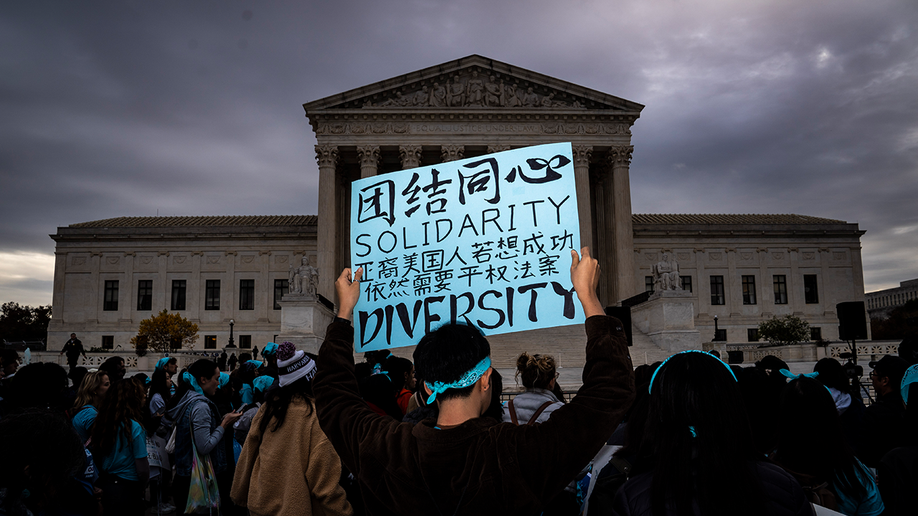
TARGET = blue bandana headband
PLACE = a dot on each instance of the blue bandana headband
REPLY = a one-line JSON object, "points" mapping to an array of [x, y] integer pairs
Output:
{"points": [[224, 379], [652, 378], [262, 383], [812, 375], [190, 380], [910, 377], [256, 363], [161, 363], [465, 380], [270, 349]]}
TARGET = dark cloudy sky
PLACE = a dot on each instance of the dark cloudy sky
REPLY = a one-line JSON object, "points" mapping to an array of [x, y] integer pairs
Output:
{"points": [[193, 107]]}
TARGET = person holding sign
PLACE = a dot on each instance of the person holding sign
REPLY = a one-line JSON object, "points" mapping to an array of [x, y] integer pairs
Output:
{"points": [[460, 462]]}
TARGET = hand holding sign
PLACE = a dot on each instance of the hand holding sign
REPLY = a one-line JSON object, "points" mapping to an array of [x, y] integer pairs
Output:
{"points": [[348, 292], [585, 277]]}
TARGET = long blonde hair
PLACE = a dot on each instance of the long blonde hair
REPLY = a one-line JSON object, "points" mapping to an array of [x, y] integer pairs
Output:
{"points": [[86, 394], [537, 370]]}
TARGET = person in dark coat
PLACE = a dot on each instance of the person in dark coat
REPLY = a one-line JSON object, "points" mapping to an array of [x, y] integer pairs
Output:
{"points": [[898, 470], [232, 361], [884, 419], [73, 348]]}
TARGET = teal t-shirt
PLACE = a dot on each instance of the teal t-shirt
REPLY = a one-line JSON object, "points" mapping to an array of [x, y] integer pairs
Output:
{"points": [[82, 422], [869, 505], [120, 460]]}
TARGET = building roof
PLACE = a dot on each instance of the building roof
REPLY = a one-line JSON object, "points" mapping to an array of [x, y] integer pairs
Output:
{"points": [[205, 221], [728, 219]]}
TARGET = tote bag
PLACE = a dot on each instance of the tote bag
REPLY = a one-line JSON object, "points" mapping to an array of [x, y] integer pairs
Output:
{"points": [[203, 493]]}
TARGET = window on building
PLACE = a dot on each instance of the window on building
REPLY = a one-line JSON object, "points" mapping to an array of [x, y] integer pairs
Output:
{"points": [[717, 290], [748, 290], [815, 333], [108, 342], [245, 341], [178, 294], [210, 342], [720, 335], [247, 294], [110, 301], [280, 288], [212, 294], [648, 283], [810, 291], [686, 283], [145, 294], [752, 334], [780, 282]]}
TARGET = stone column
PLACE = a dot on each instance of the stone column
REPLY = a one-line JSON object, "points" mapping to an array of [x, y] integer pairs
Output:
{"points": [[602, 247], [451, 152], [368, 155], [827, 296], [582, 154], [162, 301], [326, 245], [795, 282], [410, 156], [620, 209], [130, 288]]}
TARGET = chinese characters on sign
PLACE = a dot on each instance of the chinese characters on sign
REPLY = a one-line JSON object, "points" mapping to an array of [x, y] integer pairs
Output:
{"points": [[485, 240]]}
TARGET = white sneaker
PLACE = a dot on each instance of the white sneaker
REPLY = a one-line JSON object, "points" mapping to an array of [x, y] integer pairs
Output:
{"points": [[165, 508]]}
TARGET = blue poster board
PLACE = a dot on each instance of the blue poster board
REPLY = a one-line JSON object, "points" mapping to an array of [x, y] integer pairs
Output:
{"points": [[484, 240]]}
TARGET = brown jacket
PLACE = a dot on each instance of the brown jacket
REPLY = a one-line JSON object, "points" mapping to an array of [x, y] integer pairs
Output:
{"points": [[293, 471], [480, 466]]}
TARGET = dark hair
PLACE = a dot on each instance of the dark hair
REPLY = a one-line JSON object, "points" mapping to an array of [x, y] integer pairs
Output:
{"points": [[8, 355], [277, 401], [908, 350], [760, 395], [46, 443], [495, 409], [158, 385], [537, 371], [122, 404], [696, 428], [202, 368], [810, 438], [447, 353], [76, 375], [39, 385], [398, 368], [832, 374], [112, 366]]}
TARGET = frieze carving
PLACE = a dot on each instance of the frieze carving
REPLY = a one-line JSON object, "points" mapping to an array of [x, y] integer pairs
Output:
{"points": [[78, 260], [809, 256], [146, 260], [112, 260], [282, 259], [179, 259], [474, 89], [838, 255], [650, 256], [248, 258], [683, 256], [363, 128], [745, 256], [777, 256], [213, 260], [715, 256]]}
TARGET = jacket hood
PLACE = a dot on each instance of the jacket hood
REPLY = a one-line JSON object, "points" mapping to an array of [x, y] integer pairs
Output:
{"points": [[187, 400]]}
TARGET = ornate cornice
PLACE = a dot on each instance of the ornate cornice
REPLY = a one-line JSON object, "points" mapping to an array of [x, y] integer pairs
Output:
{"points": [[347, 125]]}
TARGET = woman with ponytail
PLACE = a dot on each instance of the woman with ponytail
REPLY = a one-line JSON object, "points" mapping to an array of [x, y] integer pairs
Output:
{"points": [[535, 405], [196, 417]]}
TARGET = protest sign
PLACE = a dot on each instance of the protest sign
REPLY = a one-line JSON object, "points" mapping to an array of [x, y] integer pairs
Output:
{"points": [[483, 240]]}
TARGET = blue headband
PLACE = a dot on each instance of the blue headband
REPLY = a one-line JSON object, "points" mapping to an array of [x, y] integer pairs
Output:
{"points": [[224, 379], [910, 377], [652, 378], [465, 380], [256, 363], [161, 363], [270, 349], [793, 376], [190, 380], [262, 383]]}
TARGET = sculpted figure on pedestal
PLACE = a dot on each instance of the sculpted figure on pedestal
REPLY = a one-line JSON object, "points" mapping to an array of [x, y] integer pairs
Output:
{"points": [[494, 93], [511, 99], [666, 274], [530, 99], [420, 98], [456, 94], [438, 95], [303, 279], [475, 91]]}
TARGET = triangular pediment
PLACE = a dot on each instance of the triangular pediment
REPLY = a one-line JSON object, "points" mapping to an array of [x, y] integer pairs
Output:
{"points": [[473, 83]]}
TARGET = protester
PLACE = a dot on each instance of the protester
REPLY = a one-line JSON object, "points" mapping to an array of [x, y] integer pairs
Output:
{"points": [[119, 446], [288, 466], [40, 455], [696, 454], [221, 361], [463, 463], [232, 362], [161, 473], [269, 353], [197, 418], [9, 358], [401, 371], [73, 348], [114, 366], [898, 470], [850, 408], [537, 402], [89, 399], [812, 447], [39, 385], [241, 427], [884, 419]]}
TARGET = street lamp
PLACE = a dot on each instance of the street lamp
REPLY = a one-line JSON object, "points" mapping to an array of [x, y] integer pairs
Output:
{"points": [[715, 330], [231, 345]]}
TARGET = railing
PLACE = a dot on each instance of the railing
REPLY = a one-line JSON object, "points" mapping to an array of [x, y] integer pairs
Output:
{"points": [[22, 345]]}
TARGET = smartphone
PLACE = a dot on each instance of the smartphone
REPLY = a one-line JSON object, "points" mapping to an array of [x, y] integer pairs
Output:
{"points": [[244, 408]]}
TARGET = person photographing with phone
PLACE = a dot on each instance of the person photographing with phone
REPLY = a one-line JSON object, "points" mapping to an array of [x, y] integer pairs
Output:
{"points": [[199, 430]]}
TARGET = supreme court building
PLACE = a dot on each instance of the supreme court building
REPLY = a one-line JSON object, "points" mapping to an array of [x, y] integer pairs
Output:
{"points": [[743, 268]]}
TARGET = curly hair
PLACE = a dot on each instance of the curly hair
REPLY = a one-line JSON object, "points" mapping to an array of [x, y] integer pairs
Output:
{"points": [[123, 403], [86, 394], [536, 370]]}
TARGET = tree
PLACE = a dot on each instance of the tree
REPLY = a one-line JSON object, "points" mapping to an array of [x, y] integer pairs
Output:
{"points": [[901, 323], [21, 322], [789, 329], [164, 332]]}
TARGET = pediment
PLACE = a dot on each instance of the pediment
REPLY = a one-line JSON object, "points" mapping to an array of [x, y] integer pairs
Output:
{"points": [[472, 83]]}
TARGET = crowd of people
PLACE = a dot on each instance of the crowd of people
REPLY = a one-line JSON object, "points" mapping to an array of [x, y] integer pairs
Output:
{"points": [[295, 433]]}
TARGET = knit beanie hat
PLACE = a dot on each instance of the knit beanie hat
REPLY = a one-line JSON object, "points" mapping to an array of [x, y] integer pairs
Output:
{"points": [[293, 364]]}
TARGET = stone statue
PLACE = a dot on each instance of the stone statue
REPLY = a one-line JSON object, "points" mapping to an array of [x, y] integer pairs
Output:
{"points": [[511, 100], [438, 96], [420, 98], [304, 279], [666, 274], [475, 91], [530, 98], [494, 93], [456, 94]]}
